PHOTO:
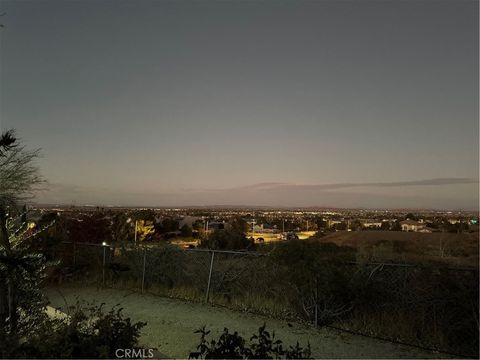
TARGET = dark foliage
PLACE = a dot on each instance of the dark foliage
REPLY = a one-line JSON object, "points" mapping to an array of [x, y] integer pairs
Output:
{"points": [[233, 346], [431, 307], [8, 141], [84, 334], [166, 226], [186, 231], [316, 274], [89, 229], [238, 225], [227, 239]]}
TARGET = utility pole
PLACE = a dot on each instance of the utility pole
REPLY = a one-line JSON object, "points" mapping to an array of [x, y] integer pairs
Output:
{"points": [[307, 225], [135, 233]]}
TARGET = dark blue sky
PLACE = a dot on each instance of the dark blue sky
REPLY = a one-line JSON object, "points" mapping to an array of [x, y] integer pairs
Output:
{"points": [[193, 103]]}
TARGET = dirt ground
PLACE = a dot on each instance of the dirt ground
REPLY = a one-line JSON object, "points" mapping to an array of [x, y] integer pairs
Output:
{"points": [[171, 325]]}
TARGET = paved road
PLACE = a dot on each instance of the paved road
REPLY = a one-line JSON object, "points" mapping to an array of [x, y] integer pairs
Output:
{"points": [[171, 325]]}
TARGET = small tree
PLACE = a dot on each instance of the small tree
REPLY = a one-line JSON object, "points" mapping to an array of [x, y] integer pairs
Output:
{"points": [[144, 229], [226, 240], [19, 177], [385, 225], [26, 331], [410, 216], [186, 230], [121, 229], [396, 226], [239, 225], [356, 225]]}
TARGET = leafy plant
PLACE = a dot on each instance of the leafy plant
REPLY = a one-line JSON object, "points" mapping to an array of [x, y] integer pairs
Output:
{"points": [[85, 333], [233, 346], [144, 229], [26, 331]]}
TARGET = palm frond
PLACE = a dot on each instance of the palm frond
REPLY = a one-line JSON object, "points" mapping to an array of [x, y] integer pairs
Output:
{"points": [[8, 141]]}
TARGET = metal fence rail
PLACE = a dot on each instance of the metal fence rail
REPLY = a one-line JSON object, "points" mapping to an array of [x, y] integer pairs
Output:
{"points": [[432, 307]]}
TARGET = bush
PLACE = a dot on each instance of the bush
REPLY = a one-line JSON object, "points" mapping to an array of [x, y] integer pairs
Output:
{"points": [[186, 231], [233, 346], [227, 240], [84, 334], [317, 276]]}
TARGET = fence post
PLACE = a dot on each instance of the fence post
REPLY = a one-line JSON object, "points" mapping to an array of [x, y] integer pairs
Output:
{"points": [[104, 262], [209, 276], [144, 266], [316, 302], [74, 253]]}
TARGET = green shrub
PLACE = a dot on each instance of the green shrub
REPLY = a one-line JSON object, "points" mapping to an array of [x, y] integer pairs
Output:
{"points": [[233, 346], [84, 334]]}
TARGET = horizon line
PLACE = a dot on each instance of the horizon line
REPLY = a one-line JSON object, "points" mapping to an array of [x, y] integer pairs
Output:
{"points": [[237, 206]]}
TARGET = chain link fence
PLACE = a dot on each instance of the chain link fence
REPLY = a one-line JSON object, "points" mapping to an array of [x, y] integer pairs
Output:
{"points": [[429, 307]]}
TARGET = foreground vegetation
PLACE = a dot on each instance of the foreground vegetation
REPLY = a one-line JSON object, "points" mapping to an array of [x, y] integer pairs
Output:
{"points": [[233, 346], [26, 328], [172, 324], [86, 332], [361, 281], [431, 306]]}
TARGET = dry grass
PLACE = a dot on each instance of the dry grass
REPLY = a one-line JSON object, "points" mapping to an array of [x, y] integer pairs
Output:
{"points": [[391, 302], [171, 325], [452, 249]]}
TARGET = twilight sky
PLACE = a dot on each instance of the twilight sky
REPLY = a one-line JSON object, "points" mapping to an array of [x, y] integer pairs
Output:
{"points": [[288, 103]]}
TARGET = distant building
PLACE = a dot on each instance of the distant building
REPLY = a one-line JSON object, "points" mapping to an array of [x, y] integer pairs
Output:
{"points": [[412, 225], [331, 222], [371, 224]]}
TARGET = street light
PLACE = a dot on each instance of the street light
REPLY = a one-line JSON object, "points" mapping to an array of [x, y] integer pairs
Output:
{"points": [[104, 245]]}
